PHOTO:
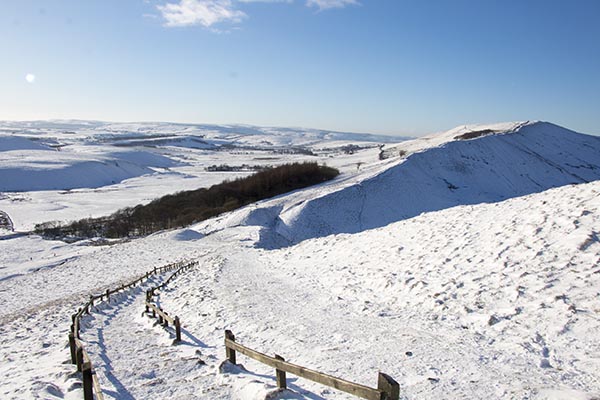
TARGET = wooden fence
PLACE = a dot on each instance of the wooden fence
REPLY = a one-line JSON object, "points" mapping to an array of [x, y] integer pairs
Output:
{"points": [[154, 310], [84, 365], [78, 354], [387, 387]]}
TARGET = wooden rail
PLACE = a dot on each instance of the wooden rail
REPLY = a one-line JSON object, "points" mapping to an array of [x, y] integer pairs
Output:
{"points": [[79, 356], [163, 317], [387, 387], [106, 295], [90, 379]]}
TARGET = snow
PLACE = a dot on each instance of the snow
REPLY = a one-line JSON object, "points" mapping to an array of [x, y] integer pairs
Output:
{"points": [[36, 171], [188, 234], [102, 167], [489, 290], [8, 143], [528, 159]]}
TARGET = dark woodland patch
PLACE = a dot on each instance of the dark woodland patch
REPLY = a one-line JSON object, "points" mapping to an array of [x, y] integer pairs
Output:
{"points": [[188, 207]]}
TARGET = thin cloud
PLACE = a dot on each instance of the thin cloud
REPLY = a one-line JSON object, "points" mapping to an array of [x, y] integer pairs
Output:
{"points": [[200, 12], [327, 4], [266, 1], [206, 13]]}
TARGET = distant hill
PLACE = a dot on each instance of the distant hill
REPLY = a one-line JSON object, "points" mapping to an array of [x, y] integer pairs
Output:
{"points": [[467, 165], [212, 135], [72, 154]]}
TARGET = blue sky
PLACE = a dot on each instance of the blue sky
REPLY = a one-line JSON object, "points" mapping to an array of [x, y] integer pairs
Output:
{"points": [[382, 66]]}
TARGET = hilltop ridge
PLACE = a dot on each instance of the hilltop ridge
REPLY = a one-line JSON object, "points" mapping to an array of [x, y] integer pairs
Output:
{"points": [[430, 174]]}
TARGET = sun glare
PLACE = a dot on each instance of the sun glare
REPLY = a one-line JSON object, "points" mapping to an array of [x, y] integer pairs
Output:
{"points": [[30, 78]]}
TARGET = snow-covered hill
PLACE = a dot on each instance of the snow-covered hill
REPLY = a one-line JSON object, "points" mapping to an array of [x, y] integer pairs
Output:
{"points": [[489, 301], [430, 174], [92, 153], [161, 133], [47, 169], [68, 170], [465, 265]]}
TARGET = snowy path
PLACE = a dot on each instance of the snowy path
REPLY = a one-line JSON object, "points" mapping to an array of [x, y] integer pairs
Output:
{"points": [[39, 296], [135, 358], [299, 318]]}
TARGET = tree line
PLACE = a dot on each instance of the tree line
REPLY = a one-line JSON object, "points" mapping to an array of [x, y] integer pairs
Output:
{"points": [[188, 207]]}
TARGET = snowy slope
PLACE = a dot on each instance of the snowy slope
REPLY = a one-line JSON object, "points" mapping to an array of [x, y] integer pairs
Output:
{"points": [[481, 302], [32, 170], [66, 170], [478, 280], [435, 173], [8, 143]]}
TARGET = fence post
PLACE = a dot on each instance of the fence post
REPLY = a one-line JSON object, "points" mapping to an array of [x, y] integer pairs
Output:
{"points": [[388, 387], [148, 298], [73, 348], [281, 381], [165, 321], [230, 353], [79, 358], [78, 324], [76, 329], [108, 296], [91, 300], [88, 385], [177, 329]]}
